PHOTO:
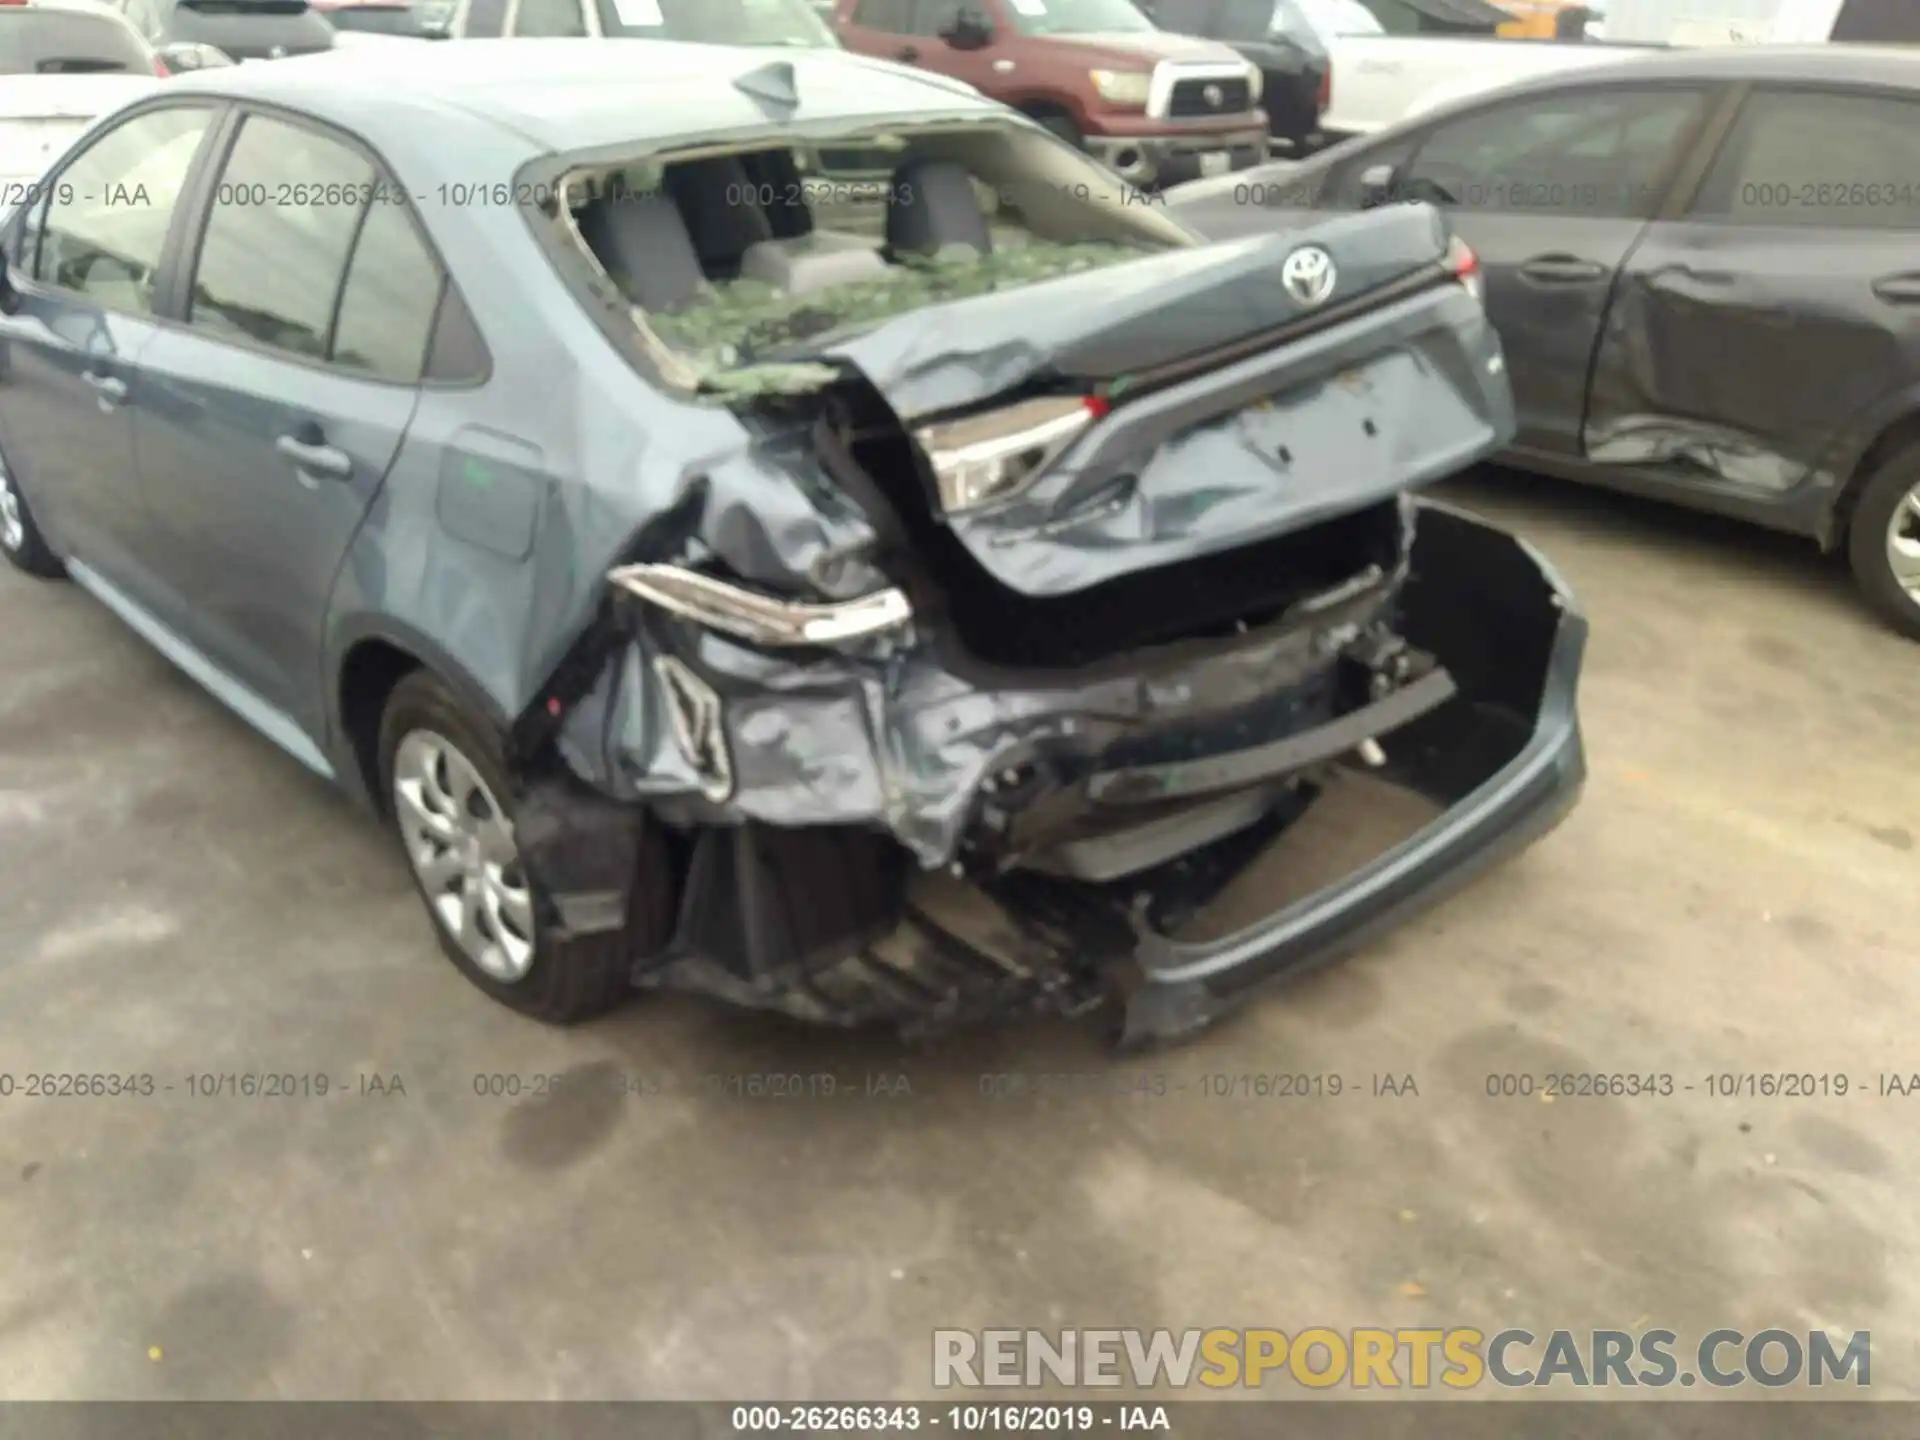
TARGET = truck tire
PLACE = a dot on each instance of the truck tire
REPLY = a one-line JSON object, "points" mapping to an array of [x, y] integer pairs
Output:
{"points": [[1883, 541], [20, 538], [446, 786], [1061, 124]]}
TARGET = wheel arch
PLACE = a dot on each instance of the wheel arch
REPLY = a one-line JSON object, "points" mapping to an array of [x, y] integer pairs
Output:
{"points": [[374, 656], [1899, 433]]}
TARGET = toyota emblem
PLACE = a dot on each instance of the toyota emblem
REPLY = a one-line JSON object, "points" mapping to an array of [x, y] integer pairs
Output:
{"points": [[1308, 275], [1213, 95]]}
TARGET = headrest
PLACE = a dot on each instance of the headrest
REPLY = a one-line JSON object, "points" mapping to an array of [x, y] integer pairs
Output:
{"points": [[931, 205]]}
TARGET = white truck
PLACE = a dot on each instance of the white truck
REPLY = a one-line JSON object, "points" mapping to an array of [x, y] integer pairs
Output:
{"points": [[1763, 22], [1380, 79]]}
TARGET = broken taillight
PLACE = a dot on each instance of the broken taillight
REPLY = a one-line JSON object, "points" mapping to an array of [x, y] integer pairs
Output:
{"points": [[990, 457], [160, 68], [1464, 266]]}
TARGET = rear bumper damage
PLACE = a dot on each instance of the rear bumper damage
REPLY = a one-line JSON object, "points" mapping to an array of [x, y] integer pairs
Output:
{"points": [[885, 832]]}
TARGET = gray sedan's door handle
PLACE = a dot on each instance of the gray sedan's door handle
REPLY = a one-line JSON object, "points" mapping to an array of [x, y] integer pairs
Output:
{"points": [[1898, 289], [315, 459], [1562, 270], [111, 389]]}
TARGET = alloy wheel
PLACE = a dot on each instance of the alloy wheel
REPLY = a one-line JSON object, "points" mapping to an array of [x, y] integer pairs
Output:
{"points": [[461, 845], [13, 524], [1903, 544]]}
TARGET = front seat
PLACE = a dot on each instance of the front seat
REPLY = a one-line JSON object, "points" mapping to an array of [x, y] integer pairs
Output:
{"points": [[643, 243], [932, 205]]}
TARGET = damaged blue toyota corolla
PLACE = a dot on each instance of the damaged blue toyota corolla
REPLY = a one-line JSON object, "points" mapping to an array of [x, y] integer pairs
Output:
{"points": [[903, 597]]}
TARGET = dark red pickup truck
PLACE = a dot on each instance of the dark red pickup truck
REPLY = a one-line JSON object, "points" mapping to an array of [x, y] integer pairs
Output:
{"points": [[1156, 107]]}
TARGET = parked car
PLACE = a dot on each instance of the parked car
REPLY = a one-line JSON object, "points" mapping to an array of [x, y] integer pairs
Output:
{"points": [[1155, 107], [1705, 267], [238, 29], [791, 23], [693, 604], [64, 65], [1274, 35]]}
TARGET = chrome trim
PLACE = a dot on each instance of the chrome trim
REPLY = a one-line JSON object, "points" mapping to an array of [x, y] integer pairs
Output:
{"points": [[1169, 73], [761, 618]]}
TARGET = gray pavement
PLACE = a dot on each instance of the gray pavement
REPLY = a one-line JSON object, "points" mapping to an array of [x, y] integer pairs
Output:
{"points": [[1736, 894]]}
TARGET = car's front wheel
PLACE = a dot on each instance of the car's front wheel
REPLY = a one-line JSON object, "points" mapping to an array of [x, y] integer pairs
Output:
{"points": [[448, 791], [20, 539], [1884, 541]]}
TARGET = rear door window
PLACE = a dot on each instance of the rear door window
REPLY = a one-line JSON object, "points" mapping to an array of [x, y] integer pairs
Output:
{"points": [[285, 212], [890, 17], [1603, 154], [391, 297], [1819, 158], [104, 228]]}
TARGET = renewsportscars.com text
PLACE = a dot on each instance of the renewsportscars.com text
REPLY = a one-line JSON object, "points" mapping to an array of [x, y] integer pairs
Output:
{"points": [[1460, 1358]]}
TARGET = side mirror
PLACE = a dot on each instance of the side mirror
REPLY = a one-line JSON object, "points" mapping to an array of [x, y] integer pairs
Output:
{"points": [[1377, 185], [970, 30], [185, 55]]}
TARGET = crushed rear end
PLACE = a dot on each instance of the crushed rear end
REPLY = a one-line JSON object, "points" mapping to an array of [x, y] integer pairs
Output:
{"points": [[1150, 621]]}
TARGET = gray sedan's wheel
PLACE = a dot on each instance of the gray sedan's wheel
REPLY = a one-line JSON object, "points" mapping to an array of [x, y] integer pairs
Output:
{"points": [[450, 796], [461, 846], [20, 539], [1884, 543]]}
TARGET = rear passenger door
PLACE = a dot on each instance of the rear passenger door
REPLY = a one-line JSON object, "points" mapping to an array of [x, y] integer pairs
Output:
{"points": [[274, 412], [1552, 193], [1781, 309]]}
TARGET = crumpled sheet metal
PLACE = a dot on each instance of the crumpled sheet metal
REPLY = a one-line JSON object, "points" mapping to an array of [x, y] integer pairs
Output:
{"points": [[890, 738], [1665, 360]]}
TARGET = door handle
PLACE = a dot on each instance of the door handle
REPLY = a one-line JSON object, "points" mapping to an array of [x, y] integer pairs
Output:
{"points": [[1898, 289], [1562, 270], [110, 388], [315, 457], [907, 53]]}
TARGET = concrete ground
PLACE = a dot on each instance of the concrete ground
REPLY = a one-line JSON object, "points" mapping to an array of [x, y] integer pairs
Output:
{"points": [[1736, 894]]}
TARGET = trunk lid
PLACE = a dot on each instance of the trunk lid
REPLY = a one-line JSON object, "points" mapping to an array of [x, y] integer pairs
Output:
{"points": [[1240, 412], [1103, 325]]}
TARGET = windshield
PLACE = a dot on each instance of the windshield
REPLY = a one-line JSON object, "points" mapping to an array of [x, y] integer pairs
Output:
{"points": [[61, 42], [1077, 17], [719, 22], [1327, 17]]}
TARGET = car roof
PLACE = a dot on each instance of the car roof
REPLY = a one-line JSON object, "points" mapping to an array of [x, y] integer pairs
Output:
{"points": [[570, 95], [1849, 64]]}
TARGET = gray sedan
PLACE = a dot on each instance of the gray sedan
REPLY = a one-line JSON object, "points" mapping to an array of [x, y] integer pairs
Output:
{"points": [[1705, 268], [699, 560]]}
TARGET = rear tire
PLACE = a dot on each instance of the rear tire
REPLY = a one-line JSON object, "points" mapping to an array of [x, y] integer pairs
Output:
{"points": [[443, 779], [20, 538], [1883, 542]]}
